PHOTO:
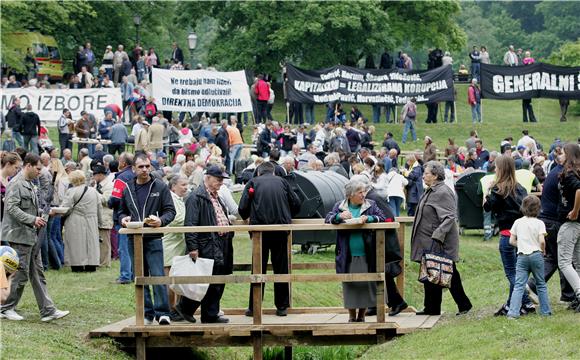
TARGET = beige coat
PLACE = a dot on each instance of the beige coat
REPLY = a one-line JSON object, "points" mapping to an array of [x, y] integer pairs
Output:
{"points": [[81, 228], [142, 140], [106, 190], [156, 131]]}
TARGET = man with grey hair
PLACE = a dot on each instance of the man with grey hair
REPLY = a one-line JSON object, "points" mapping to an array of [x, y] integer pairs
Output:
{"points": [[288, 164], [85, 160], [332, 162], [436, 169]]}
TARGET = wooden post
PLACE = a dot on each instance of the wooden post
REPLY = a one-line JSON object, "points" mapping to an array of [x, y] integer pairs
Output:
{"points": [[289, 248], [140, 348], [257, 343], [401, 277], [288, 353], [257, 288], [380, 235], [139, 289]]}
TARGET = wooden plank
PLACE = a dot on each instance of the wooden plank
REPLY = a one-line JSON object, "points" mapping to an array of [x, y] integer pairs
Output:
{"points": [[401, 278], [430, 322], [405, 219], [289, 252], [257, 287], [139, 272], [258, 278], [380, 249], [295, 266], [252, 228]]}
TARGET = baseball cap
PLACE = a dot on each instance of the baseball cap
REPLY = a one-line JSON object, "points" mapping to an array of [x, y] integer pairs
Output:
{"points": [[214, 170], [521, 147], [161, 154]]}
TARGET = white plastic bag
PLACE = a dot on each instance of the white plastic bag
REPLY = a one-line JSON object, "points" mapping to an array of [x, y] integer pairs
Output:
{"points": [[184, 266]]}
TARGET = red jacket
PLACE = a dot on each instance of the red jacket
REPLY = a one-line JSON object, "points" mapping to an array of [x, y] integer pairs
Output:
{"points": [[262, 90], [473, 94]]}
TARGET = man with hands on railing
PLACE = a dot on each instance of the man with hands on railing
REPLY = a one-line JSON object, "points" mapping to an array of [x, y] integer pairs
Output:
{"points": [[148, 200], [204, 208]]}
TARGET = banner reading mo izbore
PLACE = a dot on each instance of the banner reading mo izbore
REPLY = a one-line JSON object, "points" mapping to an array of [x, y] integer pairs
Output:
{"points": [[530, 81], [369, 86]]}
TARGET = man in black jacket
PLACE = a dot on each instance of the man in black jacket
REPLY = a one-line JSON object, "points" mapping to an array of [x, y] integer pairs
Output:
{"points": [[149, 200], [204, 208], [14, 121], [30, 129], [268, 199]]}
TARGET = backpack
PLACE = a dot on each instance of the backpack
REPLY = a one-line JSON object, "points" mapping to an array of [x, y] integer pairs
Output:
{"points": [[150, 110], [412, 112]]}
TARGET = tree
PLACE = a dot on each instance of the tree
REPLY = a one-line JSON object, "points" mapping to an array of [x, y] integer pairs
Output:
{"points": [[258, 35]]}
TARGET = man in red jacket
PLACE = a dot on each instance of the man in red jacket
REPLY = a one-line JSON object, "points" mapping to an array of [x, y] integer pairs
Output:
{"points": [[474, 100], [262, 91]]}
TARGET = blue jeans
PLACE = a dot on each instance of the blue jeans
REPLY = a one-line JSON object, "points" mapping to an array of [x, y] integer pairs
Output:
{"points": [[309, 113], [153, 266], [235, 151], [409, 125], [475, 71], [126, 270], [376, 114], [476, 113], [31, 143], [17, 137], [390, 109], [533, 263], [509, 258], [395, 204], [55, 236]]}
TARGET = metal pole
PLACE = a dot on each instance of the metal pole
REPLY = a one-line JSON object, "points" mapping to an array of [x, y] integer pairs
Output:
{"points": [[455, 113]]}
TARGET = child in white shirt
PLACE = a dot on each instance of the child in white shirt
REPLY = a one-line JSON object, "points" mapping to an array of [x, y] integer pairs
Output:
{"points": [[527, 234]]}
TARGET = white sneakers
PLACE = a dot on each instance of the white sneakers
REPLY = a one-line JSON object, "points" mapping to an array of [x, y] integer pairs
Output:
{"points": [[10, 315], [57, 314], [164, 320]]}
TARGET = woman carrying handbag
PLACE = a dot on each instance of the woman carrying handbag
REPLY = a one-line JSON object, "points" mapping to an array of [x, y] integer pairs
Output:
{"points": [[435, 236]]}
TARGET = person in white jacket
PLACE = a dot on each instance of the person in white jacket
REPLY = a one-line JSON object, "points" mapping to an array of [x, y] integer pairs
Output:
{"points": [[395, 189]]}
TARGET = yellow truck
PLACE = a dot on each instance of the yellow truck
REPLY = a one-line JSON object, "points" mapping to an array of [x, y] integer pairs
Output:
{"points": [[43, 48]]}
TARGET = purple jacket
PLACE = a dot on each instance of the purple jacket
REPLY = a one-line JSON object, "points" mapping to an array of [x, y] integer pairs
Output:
{"points": [[342, 259]]}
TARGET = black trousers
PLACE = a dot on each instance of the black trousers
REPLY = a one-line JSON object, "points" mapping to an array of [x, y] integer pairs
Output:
{"points": [[432, 109], [275, 243], [64, 142], [434, 295], [551, 261], [528, 110], [210, 304], [393, 296], [262, 111], [116, 148]]}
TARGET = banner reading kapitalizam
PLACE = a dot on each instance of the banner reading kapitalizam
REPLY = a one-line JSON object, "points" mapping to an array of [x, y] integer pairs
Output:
{"points": [[530, 81], [369, 86], [49, 103], [201, 90]]}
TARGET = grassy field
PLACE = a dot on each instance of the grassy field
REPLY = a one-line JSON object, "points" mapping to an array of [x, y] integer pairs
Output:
{"points": [[94, 300]]}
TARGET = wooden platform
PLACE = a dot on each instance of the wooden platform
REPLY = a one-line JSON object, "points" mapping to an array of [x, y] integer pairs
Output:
{"points": [[315, 328]]}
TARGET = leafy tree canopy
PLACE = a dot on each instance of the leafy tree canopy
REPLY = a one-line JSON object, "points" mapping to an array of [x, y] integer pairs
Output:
{"points": [[258, 35]]}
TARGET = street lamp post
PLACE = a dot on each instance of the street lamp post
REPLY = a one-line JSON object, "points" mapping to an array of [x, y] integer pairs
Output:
{"points": [[137, 22], [192, 43]]}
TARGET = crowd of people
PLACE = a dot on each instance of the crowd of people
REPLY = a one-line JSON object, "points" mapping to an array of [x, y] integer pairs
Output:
{"points": [[183, 173], [58, 210]]}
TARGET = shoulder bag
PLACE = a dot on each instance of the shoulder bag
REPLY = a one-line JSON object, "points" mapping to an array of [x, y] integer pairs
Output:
{"points": [[436, 267], [75, 204]]}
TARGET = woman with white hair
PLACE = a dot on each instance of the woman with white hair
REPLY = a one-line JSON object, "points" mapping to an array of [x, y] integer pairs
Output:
{"points": [[356, 252], [81, 226]]}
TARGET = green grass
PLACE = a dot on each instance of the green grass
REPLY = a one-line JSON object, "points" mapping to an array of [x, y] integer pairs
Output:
{"points": [[95, 301]]}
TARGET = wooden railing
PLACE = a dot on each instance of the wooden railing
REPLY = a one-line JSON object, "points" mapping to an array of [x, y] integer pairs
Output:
{"points": [[256, 279]]}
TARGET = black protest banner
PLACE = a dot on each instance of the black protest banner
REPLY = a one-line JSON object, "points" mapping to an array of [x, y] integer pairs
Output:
{"points": [[537, 80], [369, 86]]}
